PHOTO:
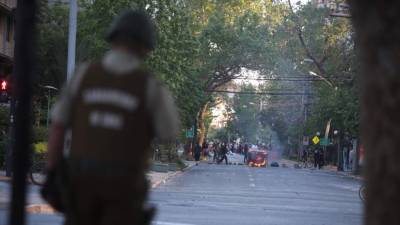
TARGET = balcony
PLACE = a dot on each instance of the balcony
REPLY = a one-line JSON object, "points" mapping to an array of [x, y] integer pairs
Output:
{"points": [[8, 5]]}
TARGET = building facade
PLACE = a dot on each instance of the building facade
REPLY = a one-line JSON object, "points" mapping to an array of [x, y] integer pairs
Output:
{"points": [[7, 25]]}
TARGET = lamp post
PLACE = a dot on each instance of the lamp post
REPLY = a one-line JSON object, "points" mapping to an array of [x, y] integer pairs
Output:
{"points": [[49, 89], [339, 154], [73, 18]]}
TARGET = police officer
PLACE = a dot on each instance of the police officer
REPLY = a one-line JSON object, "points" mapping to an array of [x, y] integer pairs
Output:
{"points": [[114, 108]]}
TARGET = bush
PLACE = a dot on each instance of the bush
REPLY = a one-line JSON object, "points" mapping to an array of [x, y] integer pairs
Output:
{"points": [[40, 148], [39, 155], [180, 164], [40, 134]]}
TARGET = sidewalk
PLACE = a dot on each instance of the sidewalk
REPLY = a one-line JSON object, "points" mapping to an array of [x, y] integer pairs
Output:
{"points": [[36, 205], [157, 178], [328, 168]]}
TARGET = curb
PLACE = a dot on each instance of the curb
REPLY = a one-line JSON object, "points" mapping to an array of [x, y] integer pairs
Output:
{"points": [[47, 209], [40, 209], [163, 181], [174, 174]]}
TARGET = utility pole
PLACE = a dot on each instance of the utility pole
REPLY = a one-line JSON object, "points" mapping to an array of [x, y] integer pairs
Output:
{"points": [[23, 77], [73, 20]]}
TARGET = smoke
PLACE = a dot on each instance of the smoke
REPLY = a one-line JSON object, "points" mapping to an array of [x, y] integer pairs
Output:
{"points": [[276, 150]]}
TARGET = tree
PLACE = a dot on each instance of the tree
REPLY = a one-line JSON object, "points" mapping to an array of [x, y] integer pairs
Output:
{"points": [[234, 38], [377, 25]]}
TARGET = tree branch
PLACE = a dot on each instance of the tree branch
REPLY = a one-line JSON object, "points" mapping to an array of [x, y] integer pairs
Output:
{"points": [[319, 64]]}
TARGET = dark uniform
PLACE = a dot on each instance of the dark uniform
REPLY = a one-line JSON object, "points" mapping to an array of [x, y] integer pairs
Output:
{"points": [[223, 152], [114, 108], [246, 153], [109, 107]]}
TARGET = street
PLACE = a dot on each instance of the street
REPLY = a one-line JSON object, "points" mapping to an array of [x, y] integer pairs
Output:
{"points": [[237, 194], [220, 194]]}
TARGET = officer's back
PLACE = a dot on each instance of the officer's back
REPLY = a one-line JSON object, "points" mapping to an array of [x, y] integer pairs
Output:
{"points": [[114, 109]]}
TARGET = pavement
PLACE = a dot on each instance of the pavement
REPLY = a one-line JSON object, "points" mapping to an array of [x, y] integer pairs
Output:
{"points": [[226, 194], [39, 212], [328, 168], [237, 194]]}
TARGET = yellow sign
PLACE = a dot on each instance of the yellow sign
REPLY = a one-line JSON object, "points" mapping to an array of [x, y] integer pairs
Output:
{"points": [[315, 140]]}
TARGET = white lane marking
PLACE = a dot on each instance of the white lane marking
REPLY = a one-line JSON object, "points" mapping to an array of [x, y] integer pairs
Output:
{"points": [[252, 185], [169, 223], [251, 180]]}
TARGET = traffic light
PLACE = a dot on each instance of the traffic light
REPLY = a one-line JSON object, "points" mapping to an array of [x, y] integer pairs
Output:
{"points": [[4, 85], [4, 96]]}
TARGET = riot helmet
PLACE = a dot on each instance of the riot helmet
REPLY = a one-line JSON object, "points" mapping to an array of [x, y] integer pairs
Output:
{"points": [[133, 27]]}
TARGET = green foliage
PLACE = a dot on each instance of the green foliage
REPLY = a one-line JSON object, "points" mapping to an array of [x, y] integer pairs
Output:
{"points": [[52, 45], [180, 164], [40, 134], [330, 42], [40, 148], [173, 61], [204, 44]]}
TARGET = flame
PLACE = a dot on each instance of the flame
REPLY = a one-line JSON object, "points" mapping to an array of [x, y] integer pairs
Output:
{"points": [[258, 164]]}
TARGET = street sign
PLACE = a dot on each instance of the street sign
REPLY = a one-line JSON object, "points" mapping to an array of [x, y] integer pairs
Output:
{"points": [[189, 133], [324, 141], [315, 140]]}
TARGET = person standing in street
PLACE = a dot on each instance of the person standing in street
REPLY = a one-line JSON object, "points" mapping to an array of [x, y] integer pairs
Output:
{"points": [[205, 150], [246, 153], [114, 108], [197, 153], [305, 158], [223, 152], [215, 152], [321, 158], [316, 158]]}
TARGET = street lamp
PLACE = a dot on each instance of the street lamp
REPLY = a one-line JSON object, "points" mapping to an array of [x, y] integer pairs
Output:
{"points": [[339, 158], [49, 89], [73, 17], [318, 133], [312, 73]]}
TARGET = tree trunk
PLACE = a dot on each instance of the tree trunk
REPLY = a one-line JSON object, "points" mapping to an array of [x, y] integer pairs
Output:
{"points": [[202, 125], [377, 25]]}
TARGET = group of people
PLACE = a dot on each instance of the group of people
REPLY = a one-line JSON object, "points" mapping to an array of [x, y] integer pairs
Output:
{"points": [[219, 152]]}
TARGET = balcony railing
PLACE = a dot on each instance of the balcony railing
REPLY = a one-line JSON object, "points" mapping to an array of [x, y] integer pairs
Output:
{"points": [[8, 4]]}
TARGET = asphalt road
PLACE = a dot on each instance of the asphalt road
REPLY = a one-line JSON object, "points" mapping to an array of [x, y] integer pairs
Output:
{"points": [[220, 194], [236, 194]]}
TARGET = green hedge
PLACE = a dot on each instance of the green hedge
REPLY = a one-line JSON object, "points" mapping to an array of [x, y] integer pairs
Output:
{"points": [[40, 134]]}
